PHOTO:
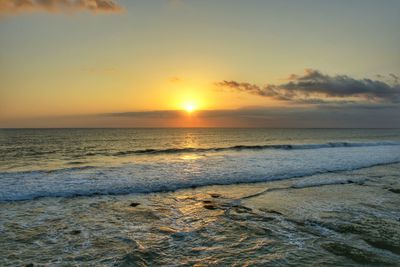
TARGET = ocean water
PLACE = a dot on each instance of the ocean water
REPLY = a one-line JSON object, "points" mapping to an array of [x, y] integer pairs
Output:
{"points": [[38, 163], [247, 197]]}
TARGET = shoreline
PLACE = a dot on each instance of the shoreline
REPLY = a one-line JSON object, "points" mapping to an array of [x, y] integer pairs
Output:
{"points": [[298, 220]]}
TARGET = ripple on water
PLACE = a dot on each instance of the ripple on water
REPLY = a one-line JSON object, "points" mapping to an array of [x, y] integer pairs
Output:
{"points": [[289, 226]]}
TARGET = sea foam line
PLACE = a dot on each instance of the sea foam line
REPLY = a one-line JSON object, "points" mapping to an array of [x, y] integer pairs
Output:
{"points": [[251, 147], [167, 175]]}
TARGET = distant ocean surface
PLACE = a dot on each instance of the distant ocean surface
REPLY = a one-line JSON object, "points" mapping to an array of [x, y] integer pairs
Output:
{"points": [[38, 163]]}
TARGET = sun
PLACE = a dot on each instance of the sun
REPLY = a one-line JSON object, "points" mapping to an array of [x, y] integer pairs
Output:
{"points": [[189, 107]]}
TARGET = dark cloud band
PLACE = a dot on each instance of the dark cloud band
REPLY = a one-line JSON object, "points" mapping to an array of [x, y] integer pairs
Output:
{"points": [[316, 116], [316, 87]]}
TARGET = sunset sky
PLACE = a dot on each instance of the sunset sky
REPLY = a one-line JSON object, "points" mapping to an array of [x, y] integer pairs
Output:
{"points": [[256, 63]]}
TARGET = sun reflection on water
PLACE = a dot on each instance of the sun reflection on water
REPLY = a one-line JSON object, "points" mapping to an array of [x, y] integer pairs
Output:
{"points": [[191, 157]]}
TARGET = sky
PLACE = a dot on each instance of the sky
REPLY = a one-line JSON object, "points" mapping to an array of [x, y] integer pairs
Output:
{"points": [[199, 63]]}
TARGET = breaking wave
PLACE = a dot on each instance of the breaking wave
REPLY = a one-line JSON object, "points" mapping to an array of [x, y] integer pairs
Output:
{"points": [[262, 164], [248, 147]]}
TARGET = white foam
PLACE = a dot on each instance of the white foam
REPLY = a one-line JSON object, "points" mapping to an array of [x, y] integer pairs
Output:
{"points": [[174, 172]]}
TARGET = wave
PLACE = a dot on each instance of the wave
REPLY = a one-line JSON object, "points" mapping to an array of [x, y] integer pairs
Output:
{"points": [[44, 172], [251, 147], [112, 191], [167, 174], [175, 150]]}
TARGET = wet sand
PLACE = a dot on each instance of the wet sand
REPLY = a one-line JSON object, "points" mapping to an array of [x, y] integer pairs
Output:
{"points": [[336, 219]]}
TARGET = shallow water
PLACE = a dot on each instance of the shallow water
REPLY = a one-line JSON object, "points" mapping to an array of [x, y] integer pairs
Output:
{"points": [[352, 220], [194, 197]]}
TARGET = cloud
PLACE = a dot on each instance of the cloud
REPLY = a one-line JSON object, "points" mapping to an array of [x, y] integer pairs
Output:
{"points": [[94, 6], [175, 79], [395, 78], [314, 87], [316, 116]]}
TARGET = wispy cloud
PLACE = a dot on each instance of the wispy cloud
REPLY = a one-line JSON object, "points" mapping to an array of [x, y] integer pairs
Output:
{"points": [[314, 87], [175, 79], [58, 6]]}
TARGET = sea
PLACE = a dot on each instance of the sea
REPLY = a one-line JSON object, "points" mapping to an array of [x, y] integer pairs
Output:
{"points": [[38, 163], [199, 197]]}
